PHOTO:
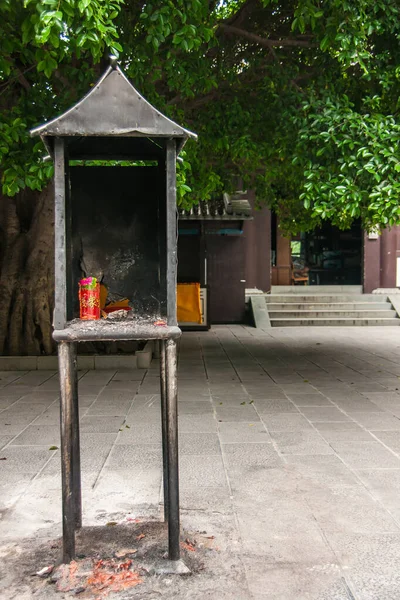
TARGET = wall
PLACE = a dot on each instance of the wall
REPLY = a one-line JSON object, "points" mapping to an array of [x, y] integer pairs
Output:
{"points": [[379, 260], [257, 248]]}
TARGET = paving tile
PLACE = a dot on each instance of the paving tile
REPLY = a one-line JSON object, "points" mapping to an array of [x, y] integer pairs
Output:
{"points": [[339, 509], [12, 485], [370, 562], [111, 396], [390, 439], [237, 432], [192, 389], [101, 424], [128, 375], [199, 443], [298, 388], [346, 435], [112, 408], [6, 402], [34, 378], [285, 422], [89, 390], [337, 426], [232, 400], [146, 400], [272, 581], [129, 387], [320, 471], [350, 407], [309, 400], [4, 439], [197, 423], [23, 459], [363, 455], [265, 407], [213, 378], [94, 451], [27, 409], [240, 457], [301, 442], [14, 424], [122, 484], [201, 470], [385, 481], [213, 499], [137, 456], [224, 389], [50, 417], [382, 397], [194, 408], [38, 435], [98, 377], [7, 377], [242, 413], [278, 537], [323, 414], [266, 394], [377, 421], [139, 433], [140, 414], [190, 397]]}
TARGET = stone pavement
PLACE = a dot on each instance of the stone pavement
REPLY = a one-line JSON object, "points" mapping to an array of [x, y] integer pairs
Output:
{"points": [[289, 455]]}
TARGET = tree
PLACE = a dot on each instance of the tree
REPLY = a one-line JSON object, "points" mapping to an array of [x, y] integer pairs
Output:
{"points": [[299, 99]]}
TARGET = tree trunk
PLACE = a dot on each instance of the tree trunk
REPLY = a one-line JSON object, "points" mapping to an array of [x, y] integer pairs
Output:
{"points": [[27, 273]]}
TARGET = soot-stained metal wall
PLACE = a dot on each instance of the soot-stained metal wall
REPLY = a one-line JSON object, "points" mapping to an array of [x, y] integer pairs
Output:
{"points": [[118, 233]]}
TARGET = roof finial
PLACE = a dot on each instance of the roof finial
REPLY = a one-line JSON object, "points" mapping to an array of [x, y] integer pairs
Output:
{"points": [[113, 61]]}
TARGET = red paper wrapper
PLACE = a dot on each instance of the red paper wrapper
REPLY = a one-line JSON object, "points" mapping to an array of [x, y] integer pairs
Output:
{"points": [[89, 302]]}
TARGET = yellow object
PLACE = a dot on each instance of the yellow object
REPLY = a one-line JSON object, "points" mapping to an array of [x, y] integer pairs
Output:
{"points": [[103, 295], [188, 303], [119, 304]]}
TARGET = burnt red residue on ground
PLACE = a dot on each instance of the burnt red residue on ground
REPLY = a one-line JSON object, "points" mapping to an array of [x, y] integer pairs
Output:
{"points": [[98, 577]]}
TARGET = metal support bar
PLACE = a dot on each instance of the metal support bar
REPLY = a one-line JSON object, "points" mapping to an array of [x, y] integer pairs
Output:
{"points": [[164, 426], [172, 443], [68, 433]]}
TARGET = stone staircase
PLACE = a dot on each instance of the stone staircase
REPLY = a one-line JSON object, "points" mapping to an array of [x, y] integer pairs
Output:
{"points": [[308, 308]]}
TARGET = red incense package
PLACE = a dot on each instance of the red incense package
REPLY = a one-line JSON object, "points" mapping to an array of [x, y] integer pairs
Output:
{"points": [[89, 299]]}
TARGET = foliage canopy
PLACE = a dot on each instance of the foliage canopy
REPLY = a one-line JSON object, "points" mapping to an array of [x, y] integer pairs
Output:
{"points": [[299, 99]]}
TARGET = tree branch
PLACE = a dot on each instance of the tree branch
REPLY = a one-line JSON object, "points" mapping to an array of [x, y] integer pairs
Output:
{"points": [[266, 42], [20, 77], [23, 80]]}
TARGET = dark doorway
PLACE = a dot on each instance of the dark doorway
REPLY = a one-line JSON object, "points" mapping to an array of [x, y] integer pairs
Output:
{"points": [[334, 256], [225, 259]]}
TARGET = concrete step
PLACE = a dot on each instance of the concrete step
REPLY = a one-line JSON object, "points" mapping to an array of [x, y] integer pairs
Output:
{"points": [[282, 298], [316, 289], [342, 322], [274, 306], [328, 313]]}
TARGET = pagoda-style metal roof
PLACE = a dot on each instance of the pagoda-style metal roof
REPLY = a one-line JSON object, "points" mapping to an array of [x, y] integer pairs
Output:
{"points": [[112, 109], [235, 207]]}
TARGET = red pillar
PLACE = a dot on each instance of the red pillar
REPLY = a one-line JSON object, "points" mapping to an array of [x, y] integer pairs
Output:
{"points": [[380, 259]]}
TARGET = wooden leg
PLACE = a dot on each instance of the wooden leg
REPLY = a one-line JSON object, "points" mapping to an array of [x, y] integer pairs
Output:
{"points": [[172, 440], [67, 417], [76, 446], [164, 425]]}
